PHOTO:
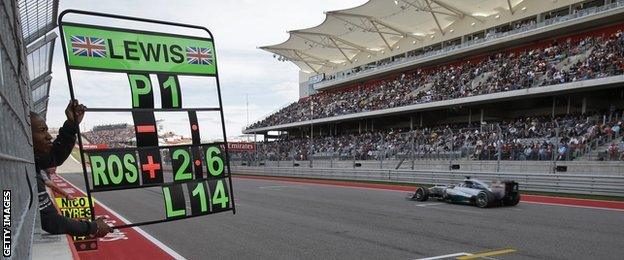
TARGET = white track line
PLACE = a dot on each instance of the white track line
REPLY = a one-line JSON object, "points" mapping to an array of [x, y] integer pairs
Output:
{"points": [[71, 156], [444, 256], [428, 204], [149, 237]]}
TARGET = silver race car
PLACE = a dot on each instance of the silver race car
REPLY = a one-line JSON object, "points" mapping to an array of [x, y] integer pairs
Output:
{"points": [[472, 191]]}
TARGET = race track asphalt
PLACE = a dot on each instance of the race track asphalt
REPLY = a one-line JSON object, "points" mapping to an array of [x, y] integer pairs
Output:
{"points": [[286, 220]]}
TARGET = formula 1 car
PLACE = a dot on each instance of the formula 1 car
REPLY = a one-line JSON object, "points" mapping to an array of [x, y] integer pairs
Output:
{"points": [[472, 191]]}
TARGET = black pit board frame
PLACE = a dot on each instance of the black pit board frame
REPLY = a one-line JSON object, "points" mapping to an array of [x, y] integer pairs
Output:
{"points": [[89, 191]]}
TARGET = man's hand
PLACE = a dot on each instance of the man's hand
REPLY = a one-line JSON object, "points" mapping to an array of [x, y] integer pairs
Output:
{"points": [[102, 228], [76, 107]]}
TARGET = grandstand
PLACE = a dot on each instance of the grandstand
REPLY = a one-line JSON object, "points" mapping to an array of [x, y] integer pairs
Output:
{"points": [[123, 135], [111, 135], [442, 84]]}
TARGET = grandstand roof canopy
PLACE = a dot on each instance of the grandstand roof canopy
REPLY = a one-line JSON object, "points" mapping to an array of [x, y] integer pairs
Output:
{"points": [[379, 25], [37, 20]]}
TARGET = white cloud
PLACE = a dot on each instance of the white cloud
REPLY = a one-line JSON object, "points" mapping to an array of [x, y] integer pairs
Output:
{"points": [[239, 27]]}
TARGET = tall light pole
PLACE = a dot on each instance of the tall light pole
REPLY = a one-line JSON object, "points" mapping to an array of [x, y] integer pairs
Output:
{"points": [[247, 105]]}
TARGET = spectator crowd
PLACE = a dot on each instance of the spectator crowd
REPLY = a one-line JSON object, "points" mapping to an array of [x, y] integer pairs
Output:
{"points": [[560, 62], [113, 135], [565, 137]]}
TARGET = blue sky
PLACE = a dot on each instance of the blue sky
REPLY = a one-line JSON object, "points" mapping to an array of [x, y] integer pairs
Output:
{"points": [[239, 27]]}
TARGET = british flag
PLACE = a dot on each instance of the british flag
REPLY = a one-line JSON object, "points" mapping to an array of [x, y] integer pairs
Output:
{"points": [[88, 46], [199, 56]]}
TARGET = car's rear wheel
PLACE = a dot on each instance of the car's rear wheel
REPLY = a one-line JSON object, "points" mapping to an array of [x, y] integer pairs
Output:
{"points": [[421, 194], [484, 199], [512, 201]]}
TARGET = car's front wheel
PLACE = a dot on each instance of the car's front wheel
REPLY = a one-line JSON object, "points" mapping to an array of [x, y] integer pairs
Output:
{"points": [[421, 194], [484, 199]]}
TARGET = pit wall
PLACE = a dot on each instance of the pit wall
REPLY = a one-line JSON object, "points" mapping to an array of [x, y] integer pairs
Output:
{"points": [[17, 171], [571, 167]]}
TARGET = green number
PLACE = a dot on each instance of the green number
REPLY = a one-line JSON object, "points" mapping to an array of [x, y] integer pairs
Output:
{"points": [[201, 192], [212, 157], [220, 196], [180, 174], [170, 83]]}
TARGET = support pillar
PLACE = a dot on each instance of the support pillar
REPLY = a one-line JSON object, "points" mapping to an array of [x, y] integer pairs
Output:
{"points": [[554, 103], [311, 146], [569, 101], [255, 150], [482, 113]]}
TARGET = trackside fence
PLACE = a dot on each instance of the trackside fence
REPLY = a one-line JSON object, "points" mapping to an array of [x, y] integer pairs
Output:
{"points": [[610, 185]]}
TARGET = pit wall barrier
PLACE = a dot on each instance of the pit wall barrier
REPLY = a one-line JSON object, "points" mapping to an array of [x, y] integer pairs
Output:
{"points": [[17, 169], [595, 184], [571, 167]]}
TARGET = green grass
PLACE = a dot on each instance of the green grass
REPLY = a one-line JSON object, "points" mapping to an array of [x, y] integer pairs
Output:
{"points": [[555, 194]]}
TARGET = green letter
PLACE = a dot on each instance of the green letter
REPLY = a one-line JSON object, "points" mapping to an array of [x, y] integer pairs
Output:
{"points": [[114, 169], [98, 169], [129, 162], [169, 205], [136, 90]]}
